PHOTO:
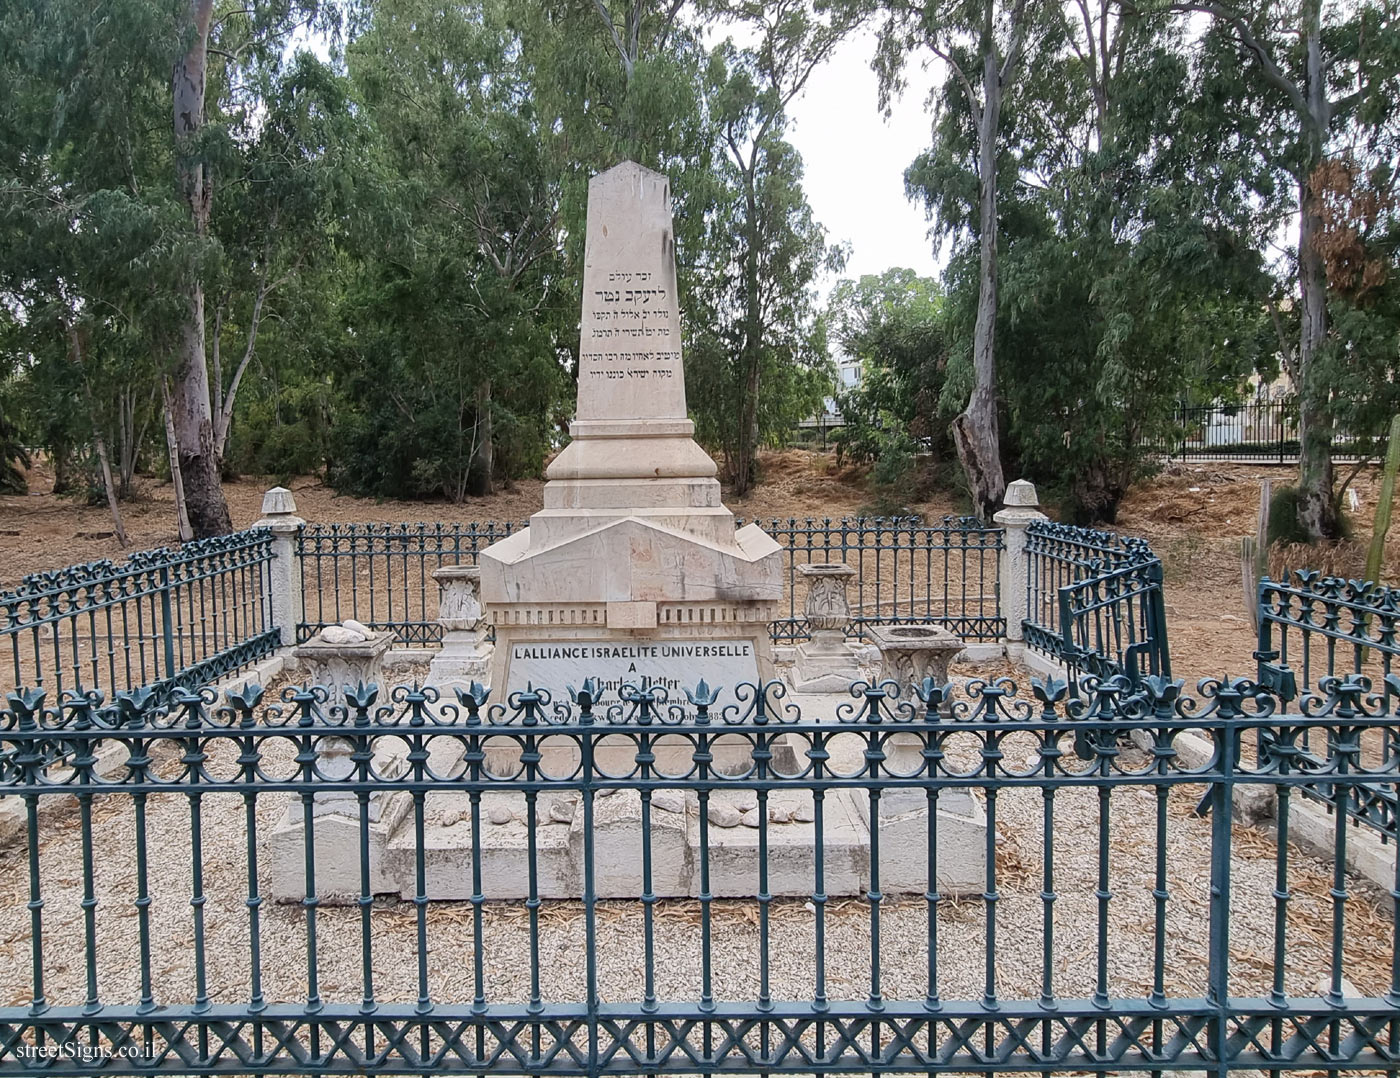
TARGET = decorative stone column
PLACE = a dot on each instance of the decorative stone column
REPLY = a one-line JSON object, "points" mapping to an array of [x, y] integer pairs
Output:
{"points": [[465, 655], [825, 663], [279, 517], [1020, 513]]}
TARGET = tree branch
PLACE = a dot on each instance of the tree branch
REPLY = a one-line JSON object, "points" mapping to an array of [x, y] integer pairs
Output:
{"points": [[1272, 72], [972, 103], [602, 10]]}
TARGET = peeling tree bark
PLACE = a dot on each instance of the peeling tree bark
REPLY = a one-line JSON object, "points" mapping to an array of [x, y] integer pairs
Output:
{"points": [[975, 430], [1317, 511], [190, 402]]}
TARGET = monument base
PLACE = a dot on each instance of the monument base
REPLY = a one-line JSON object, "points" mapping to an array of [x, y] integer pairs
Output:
{"points": [[733, 835]]}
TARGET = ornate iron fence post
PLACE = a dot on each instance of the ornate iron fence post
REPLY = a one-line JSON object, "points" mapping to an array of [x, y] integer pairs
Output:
{"points": [[1022, 510], [284, 576]]}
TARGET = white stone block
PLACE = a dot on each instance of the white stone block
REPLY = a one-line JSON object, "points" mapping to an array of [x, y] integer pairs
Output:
{"points": [[505, 871], [617, 847], [791, 851]]}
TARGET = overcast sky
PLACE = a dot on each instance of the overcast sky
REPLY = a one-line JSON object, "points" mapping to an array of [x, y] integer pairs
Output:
{"points": [[855, 161]]}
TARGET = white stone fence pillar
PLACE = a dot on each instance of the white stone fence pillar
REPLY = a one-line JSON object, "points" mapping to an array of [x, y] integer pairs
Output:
{"points": [[279, 517], [1021, 511]]}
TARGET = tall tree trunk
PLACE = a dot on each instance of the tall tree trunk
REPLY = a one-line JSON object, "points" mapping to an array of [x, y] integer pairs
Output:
{"points": [[191, 410], [177, 482], [752, 357], [99, 443], [1317, 512], [975, 431], [481, 473], [126, 450], [61, 453]]}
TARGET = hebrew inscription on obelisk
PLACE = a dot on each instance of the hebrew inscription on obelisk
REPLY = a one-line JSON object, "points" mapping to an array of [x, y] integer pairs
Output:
{"points": [[630, 346]]}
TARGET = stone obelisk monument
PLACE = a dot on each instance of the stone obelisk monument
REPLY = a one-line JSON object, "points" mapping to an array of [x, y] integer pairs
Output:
{"points": [[633, 569]]}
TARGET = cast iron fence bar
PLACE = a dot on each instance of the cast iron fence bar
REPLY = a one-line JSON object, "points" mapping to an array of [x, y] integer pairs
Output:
{"points": [[69, 1018], [909, 570], [1254, 431], [1313, 627], [162, 618]]}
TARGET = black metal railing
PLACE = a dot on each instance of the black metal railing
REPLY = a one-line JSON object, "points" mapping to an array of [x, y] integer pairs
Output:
{"points": [[142, 939], [162, 618], [1312, 628], [1094, 602], [1253, 431], [908, 571], [382, 574]]}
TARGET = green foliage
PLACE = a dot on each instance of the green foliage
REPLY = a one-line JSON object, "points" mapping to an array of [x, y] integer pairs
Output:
{"points": [[14, 459], [1126, 281], [894, 325]]}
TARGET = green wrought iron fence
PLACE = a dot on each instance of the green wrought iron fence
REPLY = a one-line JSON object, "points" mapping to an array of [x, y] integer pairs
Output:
{"points": [[162, 618], [382, 574], [1094, 602], [1313, 627], [907, 570], [1150, 941]]}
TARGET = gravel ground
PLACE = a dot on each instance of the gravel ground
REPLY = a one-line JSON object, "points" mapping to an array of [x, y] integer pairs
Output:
{"points": [[506, 939]]}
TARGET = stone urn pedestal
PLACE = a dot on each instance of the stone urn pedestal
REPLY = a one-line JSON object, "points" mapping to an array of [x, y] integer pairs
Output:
{"points": [[344, 655], [335, 816], [825, 663], [910, 653], [465, 655]]}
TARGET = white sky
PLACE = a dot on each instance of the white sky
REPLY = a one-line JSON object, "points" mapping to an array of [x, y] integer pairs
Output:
{"points": [[855, 161]]}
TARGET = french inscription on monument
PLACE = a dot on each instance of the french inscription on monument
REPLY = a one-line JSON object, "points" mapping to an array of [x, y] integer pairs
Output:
{"points": [[676, 665]]}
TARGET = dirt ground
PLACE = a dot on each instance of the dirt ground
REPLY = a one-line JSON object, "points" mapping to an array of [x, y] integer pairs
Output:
{"points": [[1194, 515]]}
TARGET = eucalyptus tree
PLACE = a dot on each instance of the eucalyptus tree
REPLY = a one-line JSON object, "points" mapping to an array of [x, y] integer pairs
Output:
{"points": [[1131, 274], [895, 325], [1316, 85], [451, 373], [225, 49], [983, 45], [126, 122], [781, 248], [622, 80]]}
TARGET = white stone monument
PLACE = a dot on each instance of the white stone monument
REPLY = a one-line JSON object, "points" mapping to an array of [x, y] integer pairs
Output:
{"points": [[633, 570]]}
